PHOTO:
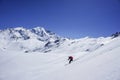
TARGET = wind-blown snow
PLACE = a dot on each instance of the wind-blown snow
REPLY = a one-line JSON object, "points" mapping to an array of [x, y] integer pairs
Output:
{"points": [[94, 58]]}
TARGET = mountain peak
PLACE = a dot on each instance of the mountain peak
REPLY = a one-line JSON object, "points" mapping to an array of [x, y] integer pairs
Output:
{"points": [[19, 28], [39, 28], [22, 33]]}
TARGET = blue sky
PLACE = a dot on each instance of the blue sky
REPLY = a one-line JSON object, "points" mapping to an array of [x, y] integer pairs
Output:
{"points": [[68, 18]]}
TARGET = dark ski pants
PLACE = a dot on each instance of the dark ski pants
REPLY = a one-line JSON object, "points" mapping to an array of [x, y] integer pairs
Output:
{"points": [[70, 61]]}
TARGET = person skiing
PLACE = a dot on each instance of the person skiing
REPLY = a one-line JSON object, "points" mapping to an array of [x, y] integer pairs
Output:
{"points": [[70, 58]]}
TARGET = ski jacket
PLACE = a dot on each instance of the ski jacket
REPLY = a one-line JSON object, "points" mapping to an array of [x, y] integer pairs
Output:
{"points": [[70, 58]]}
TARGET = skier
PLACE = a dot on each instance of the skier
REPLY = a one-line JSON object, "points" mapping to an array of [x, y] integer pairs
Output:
{"points": [[70, 58]]}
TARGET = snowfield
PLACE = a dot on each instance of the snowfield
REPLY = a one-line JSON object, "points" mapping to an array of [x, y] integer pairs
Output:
{"points": [[102, 64], [94, 59]]}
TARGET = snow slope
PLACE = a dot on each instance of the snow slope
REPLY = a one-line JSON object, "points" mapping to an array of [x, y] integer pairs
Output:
{"points": [[94, 59], [102, 64]]}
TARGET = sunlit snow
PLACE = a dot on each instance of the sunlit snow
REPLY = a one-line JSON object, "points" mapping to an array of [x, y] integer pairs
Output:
{"points": [[94, 59]]}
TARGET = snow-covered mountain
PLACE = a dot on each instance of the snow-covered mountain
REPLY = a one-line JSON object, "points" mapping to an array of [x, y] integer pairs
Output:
{"points": [[36, 39], [40, 40], [93, 58]]}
